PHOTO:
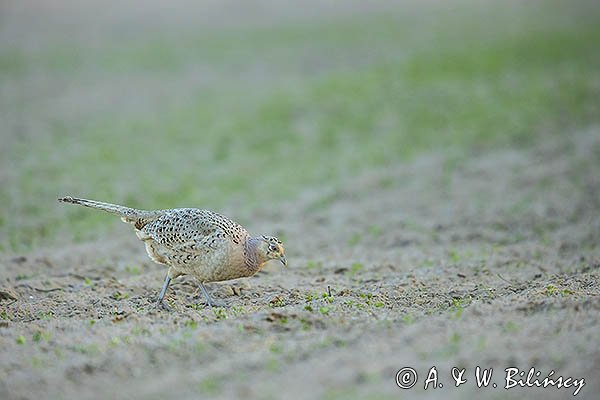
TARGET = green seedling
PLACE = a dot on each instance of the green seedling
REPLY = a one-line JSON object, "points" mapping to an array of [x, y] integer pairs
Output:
{"points": [[354, 239], [219, 313], [209, 386], [355, 268], [119, 296]]}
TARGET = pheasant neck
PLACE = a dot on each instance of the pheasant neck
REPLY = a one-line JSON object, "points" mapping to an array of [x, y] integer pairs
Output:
{"points": [[253, 260]]}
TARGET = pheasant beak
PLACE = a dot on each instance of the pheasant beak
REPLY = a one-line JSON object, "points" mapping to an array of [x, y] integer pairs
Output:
{"points": [[283, 260]]}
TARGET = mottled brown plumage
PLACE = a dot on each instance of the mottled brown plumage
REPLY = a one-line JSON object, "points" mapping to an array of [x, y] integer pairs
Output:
{"points": [[190, 241]]}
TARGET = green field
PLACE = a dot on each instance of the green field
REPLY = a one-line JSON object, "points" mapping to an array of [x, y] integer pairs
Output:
{"points": [[247, 115]]}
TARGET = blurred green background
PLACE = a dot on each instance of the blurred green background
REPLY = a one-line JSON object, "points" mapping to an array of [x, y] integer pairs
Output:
{"points": [[238, 105]]}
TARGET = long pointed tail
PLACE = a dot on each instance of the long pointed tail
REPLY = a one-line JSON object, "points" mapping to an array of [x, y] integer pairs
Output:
{"points": [[126, 213]]}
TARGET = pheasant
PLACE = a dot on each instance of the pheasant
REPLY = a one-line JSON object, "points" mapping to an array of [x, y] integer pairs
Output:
{"points": [[200, 243]]}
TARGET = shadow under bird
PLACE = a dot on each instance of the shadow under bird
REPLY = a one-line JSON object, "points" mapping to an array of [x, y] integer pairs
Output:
{"points": [[200, 243]]}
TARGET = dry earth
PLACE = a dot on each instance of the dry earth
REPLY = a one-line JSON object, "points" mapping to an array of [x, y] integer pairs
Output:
{"points": [[449, 260]]}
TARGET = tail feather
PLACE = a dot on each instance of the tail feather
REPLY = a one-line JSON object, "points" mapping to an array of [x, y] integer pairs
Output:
{"points": [[127, 214]]}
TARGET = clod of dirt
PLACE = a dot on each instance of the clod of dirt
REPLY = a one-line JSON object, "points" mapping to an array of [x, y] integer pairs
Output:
{"points": [[276, 301], [8, 294]]}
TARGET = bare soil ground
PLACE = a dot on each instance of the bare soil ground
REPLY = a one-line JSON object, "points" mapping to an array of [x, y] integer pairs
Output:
{"points": [[452, 259]]}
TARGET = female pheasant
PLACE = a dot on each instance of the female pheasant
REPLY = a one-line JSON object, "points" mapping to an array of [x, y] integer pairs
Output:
{"points": [[201, 243]]}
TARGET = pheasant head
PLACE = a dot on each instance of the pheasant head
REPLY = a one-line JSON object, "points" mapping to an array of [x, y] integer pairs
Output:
{"points": [[269, 248]]}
